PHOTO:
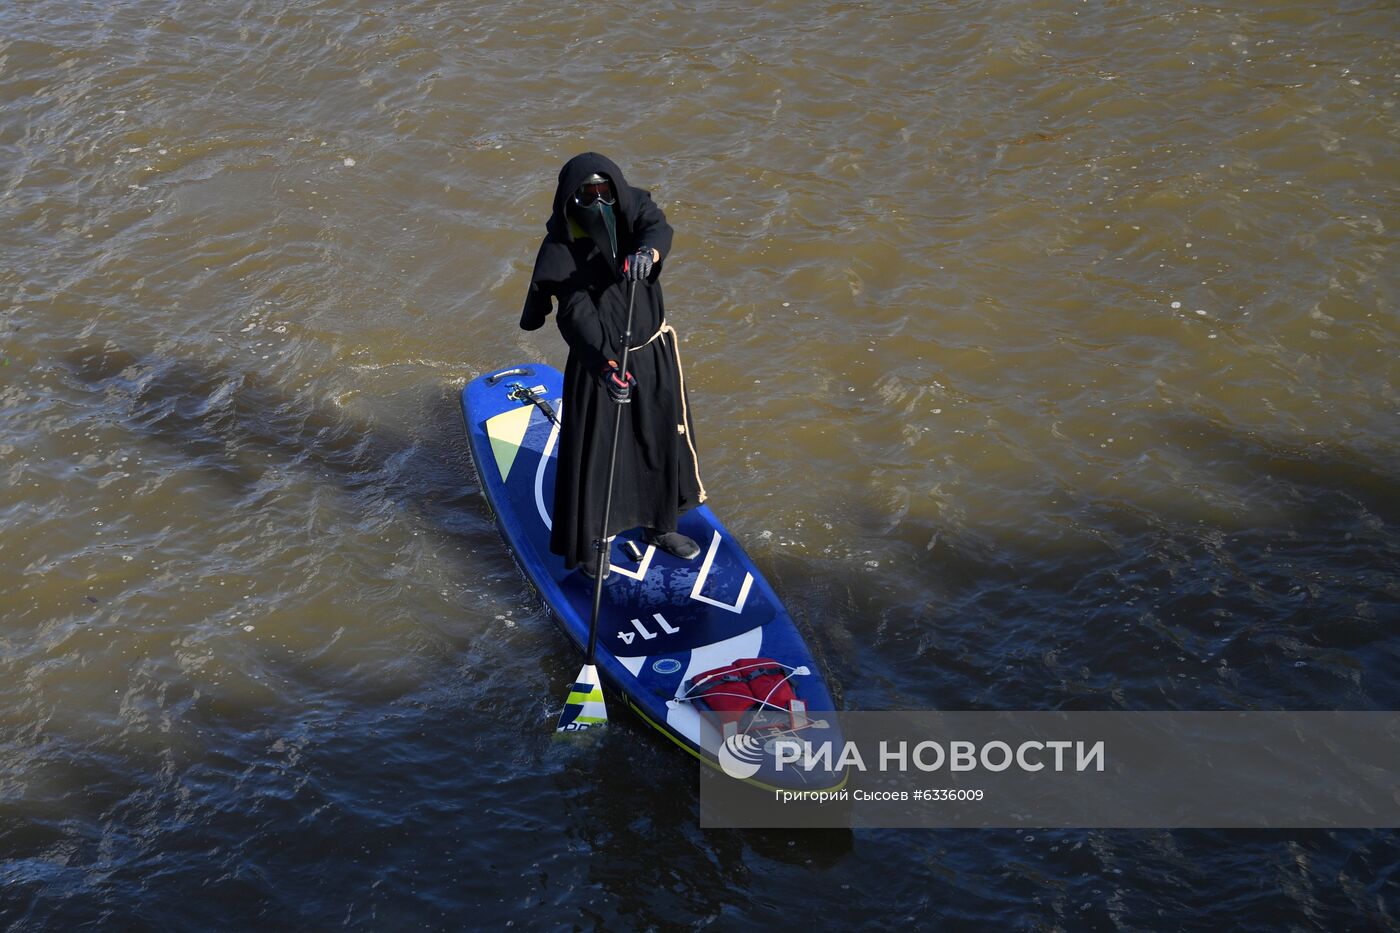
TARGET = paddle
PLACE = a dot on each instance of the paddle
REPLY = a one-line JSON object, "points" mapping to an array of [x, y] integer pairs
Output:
{"points": [[584, 707]]}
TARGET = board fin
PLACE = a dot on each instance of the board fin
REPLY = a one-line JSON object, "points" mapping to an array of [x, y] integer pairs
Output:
{"points": [[584, 708]]}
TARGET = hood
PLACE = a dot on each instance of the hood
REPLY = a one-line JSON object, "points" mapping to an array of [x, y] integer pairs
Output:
{"points": [[572, 175]]}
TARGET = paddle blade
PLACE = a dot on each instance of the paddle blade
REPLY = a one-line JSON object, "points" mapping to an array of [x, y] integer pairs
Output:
{"points": [[584, 708]]}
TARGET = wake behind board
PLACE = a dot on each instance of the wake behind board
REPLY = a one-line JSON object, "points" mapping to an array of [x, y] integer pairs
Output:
{"points": [[664, 621]]}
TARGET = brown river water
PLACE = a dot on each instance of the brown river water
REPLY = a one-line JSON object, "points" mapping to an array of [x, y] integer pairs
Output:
{"points": [[1042, 354]]}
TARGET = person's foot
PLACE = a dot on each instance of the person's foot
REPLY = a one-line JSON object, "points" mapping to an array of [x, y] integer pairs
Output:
{"points": [[590, 568], [673, 542]]}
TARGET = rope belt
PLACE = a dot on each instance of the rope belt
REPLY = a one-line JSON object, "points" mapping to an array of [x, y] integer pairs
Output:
{"points": [[684, 426]]}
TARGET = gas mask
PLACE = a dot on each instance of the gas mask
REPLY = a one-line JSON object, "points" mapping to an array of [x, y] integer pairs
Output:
{"points": [[591, 207]]}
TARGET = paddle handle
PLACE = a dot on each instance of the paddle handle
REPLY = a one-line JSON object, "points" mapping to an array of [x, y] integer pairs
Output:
{"points": [[602, 543]]}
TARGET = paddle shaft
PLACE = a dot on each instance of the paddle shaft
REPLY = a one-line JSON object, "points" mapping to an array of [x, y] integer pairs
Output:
{"points": [[602, 544]]}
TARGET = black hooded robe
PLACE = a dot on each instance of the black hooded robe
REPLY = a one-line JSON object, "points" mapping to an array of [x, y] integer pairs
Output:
{"points": [[657, 475]]}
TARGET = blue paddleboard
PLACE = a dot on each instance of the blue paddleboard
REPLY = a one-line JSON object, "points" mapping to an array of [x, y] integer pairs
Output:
{"points": [[663, 620]]}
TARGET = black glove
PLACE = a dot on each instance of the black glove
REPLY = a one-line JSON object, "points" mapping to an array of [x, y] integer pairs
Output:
{"points": [[619, 383], [637, 267]]}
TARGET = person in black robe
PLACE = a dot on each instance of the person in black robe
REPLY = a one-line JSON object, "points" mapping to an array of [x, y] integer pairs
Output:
{"points": [[604, 237]]}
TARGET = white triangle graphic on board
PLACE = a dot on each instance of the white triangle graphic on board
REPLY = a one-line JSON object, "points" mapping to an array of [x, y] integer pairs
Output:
{"points": [[738, 604], [507, 433]]}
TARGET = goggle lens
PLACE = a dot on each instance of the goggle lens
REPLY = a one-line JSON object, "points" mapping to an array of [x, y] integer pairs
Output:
{"points": [[589, 194]]}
